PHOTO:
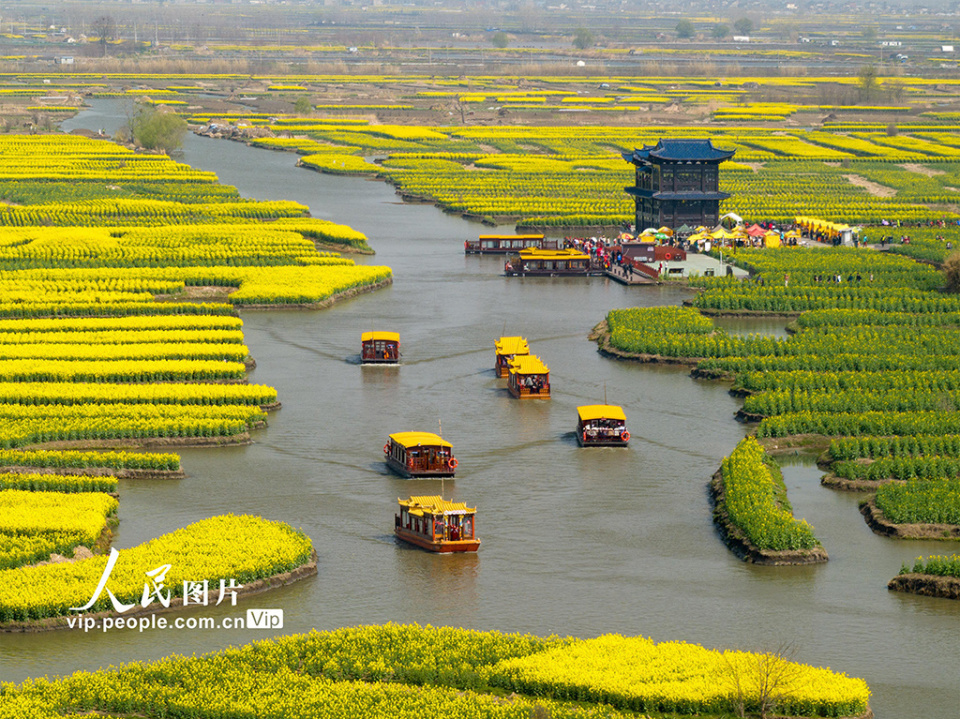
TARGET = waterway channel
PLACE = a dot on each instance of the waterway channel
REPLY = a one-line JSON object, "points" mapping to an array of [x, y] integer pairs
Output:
{"points": [[575, 541]]}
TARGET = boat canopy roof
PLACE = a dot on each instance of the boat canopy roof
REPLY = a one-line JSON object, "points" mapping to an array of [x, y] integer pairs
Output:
{"points": [[601, 411], [535, 253], [528, 364], [512, 346], [413, 439], [531, 236], [389, 336], [436, 505]]}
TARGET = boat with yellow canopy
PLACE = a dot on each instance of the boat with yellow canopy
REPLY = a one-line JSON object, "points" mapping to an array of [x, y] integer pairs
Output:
{"points": [[548, 262], [602, 425], [529, 378], [506, 349], [437, 525], [380, 348], [420, 454], [504, 244]]}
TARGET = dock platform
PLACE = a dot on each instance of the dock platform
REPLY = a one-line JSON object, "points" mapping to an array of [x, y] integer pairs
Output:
{"points": [[617, 273]]}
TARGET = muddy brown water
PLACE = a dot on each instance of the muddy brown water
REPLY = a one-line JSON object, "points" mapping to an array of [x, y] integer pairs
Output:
{"points": [[575, 541]]}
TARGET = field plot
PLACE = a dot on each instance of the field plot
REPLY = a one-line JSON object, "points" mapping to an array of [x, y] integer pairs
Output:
{"points": [[569, 177], [120, 278], [397, 670], [872, 369]]}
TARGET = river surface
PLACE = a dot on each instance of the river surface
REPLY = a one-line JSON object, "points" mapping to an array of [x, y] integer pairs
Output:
{"points": [[575, 541]]}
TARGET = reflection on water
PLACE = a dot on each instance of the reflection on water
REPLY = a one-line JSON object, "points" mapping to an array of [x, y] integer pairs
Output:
{"points": [[575, 541], [743, 326]]}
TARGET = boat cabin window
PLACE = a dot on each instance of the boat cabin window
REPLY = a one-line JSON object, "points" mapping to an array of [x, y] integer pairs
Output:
{"points": [[380, 349]]}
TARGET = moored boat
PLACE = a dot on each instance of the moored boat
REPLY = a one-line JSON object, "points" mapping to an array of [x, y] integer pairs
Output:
{"points": [[529, 378], [507, 348], [548, 262], [602, 425], [420, 454], [380, 348], [437, 525], [504, 244]]}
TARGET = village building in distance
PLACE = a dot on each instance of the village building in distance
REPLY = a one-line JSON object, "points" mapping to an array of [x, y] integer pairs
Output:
{"points": [[678, 183]]}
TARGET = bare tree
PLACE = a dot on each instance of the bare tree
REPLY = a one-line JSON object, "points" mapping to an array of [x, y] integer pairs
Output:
{"points": [[105, 28], [761, 681], [951, 272]]}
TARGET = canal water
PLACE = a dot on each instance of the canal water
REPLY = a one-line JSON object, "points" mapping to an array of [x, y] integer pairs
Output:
{"points": [[575, 541]]}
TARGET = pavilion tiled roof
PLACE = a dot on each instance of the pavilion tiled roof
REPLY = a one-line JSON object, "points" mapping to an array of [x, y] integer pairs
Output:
{"points": [[679, 151]]}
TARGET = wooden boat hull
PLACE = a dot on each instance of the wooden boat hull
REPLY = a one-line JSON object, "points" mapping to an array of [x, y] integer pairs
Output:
{"points": [[518, 394], [603, 442], [443, 546], [488, 250], [553, 273], [408, 472]]}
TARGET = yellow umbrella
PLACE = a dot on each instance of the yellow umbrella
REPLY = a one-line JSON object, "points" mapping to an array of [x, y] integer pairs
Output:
{"points": [[666, 230]]}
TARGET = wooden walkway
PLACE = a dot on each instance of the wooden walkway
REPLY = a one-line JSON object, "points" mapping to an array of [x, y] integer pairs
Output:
{"points": [[616, 272]]}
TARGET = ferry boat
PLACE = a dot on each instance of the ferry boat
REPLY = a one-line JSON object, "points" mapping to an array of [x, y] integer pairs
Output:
{"points": [[507, 348], [602, 425], [420, 454], [437, 525], [529, 378], [380, 348], [503, 244], [548, 263]]}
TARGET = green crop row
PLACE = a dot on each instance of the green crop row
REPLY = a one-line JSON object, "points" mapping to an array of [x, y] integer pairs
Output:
{"points": [[860, 399], [941, 566], [37, 482], [68, 458], [846, 448], [924, 466], [808, 381], [861, 423], [755, 501], [838, 362], [848, 317], [934, 501]]}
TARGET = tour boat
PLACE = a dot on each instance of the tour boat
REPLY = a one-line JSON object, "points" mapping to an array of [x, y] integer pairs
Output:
{"points": [[529, 378], [548, 262], [602, 425], [507, 348], [503, 244], [437, 525], [420, 454], [380, 348]]}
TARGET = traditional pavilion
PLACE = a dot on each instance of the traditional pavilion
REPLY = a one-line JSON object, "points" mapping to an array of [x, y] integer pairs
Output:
{"points": [[678, 183]]}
